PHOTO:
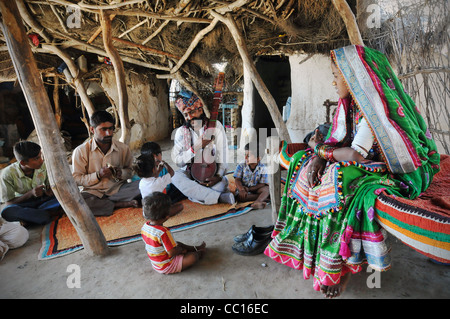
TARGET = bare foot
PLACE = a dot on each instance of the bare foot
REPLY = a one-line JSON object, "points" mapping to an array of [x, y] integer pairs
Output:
{"points": [[259, 205], [201, 250], [175, 209], [335, 290]]}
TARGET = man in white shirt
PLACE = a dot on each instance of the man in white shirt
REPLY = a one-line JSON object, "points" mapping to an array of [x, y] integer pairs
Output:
{"points": [[195, 137]]}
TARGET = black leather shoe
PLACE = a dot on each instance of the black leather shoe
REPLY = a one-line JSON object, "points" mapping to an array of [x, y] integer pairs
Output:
{"points": [[254, 245], [253, 229]]}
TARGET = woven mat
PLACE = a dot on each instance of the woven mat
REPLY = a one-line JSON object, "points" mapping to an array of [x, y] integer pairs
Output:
{"points": [[422, 223], [60, 238]]}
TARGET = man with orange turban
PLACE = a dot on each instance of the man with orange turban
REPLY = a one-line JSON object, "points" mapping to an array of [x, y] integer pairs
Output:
{"points": [[194, 137]]}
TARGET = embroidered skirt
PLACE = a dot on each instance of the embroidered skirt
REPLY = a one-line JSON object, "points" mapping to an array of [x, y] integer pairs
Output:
{"points": [[328, 231]]}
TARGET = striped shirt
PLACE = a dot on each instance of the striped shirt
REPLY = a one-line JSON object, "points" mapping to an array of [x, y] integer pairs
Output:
{"points": [[158, 241]]}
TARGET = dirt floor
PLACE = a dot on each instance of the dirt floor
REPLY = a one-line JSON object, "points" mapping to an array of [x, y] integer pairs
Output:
{"points": [[126, 272]]}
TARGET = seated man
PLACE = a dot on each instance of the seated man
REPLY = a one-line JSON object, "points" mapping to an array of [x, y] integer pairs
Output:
{"points": [[102, 166], [25, 187], [194, 137]]}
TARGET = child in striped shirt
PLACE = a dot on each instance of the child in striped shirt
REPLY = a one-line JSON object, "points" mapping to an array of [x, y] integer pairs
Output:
{"points": [[166, 255]]}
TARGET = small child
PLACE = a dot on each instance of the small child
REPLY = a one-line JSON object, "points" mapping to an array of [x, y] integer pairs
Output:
{"points": [[166, 255], [251, 179], [151, 180], [153, 149]]}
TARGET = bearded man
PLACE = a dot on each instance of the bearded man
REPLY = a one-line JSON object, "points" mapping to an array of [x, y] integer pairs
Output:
{"points": [[194, 138], [102, 166]]}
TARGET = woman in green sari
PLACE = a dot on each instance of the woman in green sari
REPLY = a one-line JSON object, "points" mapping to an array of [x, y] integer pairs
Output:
{"points": [[378, 142]]}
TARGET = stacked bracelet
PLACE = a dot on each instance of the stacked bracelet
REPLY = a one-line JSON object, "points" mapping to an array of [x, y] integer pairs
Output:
{"points": [[325, 152]]}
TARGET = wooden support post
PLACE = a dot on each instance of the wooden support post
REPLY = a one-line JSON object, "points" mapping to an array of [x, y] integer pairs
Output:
{"points": [[256, 78], [58, 115], [274, 173], [62, 182], [350, 21], [119, 71]]}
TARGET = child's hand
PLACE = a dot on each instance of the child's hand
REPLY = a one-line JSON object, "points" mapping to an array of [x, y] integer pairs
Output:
{"points": [[38, 191], [243, 192], [315, 139], [177, 250], [159, 166]]}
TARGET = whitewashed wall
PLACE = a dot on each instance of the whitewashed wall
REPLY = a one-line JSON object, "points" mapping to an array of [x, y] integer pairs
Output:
{"points": [[148, 106], [311, 86]]}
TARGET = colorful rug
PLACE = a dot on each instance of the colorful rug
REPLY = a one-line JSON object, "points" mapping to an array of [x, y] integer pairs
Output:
{"points": [[60, 238], [422, 223]]}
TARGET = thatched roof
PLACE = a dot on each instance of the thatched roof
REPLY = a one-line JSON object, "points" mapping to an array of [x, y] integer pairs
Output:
{"points": [[157, 34]]}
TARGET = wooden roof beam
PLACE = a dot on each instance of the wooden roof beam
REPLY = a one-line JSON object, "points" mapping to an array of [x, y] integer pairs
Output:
{"points": [[119, 72], [256, 78]]}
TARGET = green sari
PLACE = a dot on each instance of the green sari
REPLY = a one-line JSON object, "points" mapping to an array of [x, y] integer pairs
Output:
{"points": [[330, 230]]}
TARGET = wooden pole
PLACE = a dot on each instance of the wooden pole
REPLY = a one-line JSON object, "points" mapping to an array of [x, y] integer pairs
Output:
{"points": [[145, 48], [274, 174], [98, 31], [193, 44], [350, 21], [119, 71], [83, 46], [256, 78], [58, 116], [62, 182]]}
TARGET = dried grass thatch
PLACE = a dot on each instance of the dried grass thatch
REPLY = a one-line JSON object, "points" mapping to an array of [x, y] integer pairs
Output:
{"points": [[269, 27]]}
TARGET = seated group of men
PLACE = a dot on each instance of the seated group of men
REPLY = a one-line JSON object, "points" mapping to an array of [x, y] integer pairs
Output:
{"points": [[102, 166]]}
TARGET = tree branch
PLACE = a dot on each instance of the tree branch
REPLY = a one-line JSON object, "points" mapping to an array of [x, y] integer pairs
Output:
{"points": [[120, 76], [256, 78], [193, 44]]}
